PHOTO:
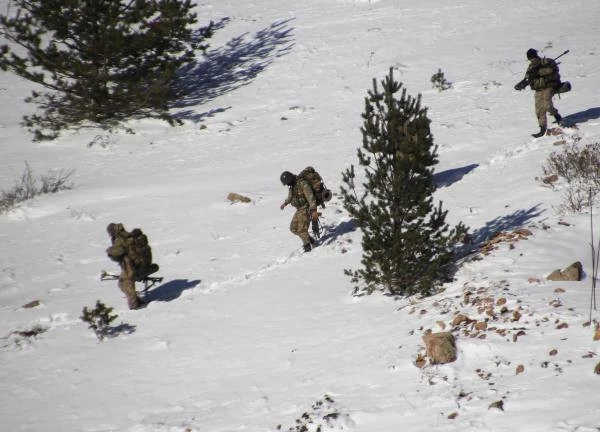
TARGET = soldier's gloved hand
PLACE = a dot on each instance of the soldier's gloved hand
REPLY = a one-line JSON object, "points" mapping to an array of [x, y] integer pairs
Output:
{"points": [[282, 206], [314, 215]]}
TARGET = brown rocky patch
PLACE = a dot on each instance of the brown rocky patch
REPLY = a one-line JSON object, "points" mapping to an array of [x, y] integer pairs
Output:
{"points": [[235, 197]]}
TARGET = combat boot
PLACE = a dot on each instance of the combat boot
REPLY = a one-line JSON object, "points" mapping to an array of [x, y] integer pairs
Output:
{"points": [[541, 133], [307, 247]]}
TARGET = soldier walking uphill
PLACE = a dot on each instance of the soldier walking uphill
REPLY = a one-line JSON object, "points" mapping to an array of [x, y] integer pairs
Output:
{"points": [[134, 255], [543, 77], [300, 196]]}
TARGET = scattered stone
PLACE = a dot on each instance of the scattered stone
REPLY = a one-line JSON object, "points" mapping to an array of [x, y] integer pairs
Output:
{"points": [[442, 324], [597, 335], [481, 326], [559, 290], [520, 369], [562, 326], [461, 319], [556, 303], [524, 232], [503, 236], [572, 273], [235, 197], [501, 301], [518, 334], [32, 304], [553, 352], [441, 347], [551, 179], [597, 369], [533, 280], [516, 316], [420, 361], [453, 415], [498, 405]]}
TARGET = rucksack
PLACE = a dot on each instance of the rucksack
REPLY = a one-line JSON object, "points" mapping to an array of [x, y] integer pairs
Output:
{"points": [[139, 252], [548, 75], [314, 179]]}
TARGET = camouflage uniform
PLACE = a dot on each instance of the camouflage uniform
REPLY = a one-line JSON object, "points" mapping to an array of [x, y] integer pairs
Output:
{"points": [[544, 85], [118, 252], [302, 198]]}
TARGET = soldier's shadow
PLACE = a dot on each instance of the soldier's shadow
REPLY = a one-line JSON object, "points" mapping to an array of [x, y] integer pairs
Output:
{"points": [[171, 290], [581, 116]]}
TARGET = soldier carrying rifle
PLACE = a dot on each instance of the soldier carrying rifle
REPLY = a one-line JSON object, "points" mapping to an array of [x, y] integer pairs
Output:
{"points": [[544, 78]]}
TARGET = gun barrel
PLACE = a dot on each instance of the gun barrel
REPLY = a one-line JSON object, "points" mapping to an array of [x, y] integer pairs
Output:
{"points": [[566, 52]]}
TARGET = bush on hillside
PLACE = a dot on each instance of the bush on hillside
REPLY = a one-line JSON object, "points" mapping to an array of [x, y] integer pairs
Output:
{"points": [[407, 246], [99, 62], [579, 165], [28, 186]]}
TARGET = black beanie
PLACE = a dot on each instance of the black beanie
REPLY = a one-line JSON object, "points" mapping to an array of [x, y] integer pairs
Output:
{"points": [[531, 53]]}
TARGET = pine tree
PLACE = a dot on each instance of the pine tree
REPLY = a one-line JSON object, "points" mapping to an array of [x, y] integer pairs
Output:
{"points": [[407, 245], [98, 61]]}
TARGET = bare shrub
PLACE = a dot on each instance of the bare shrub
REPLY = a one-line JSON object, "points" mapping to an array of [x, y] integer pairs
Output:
{"points": [[580, 167], [55, 181], [28, 186]]}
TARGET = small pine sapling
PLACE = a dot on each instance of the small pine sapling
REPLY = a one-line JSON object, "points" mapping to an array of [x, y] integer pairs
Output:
{"points": [[99, 319], [439, 81]]}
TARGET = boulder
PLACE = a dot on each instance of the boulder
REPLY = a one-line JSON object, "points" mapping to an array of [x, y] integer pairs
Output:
{"points": [[441, 347], [572, 273]]}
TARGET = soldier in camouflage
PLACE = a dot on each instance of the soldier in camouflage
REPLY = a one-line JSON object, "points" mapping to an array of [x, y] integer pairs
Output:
{"points": [[543, 77], [300, 196], [119, 252]]}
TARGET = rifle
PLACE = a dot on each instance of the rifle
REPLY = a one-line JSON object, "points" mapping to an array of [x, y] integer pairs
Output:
{"points": [[525, 81], [149, 281]]}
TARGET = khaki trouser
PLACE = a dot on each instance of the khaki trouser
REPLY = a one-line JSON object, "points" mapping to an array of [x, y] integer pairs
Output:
{"points": [[543, 105], [300, 223], [127, 284]]}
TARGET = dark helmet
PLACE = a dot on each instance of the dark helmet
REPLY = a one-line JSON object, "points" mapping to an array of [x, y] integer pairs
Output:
{"points": [[114, 229], [531, 54], [287, 178]]}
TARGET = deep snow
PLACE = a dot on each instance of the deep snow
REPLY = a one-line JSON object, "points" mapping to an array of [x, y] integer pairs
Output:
{"points": [[246, 333]]}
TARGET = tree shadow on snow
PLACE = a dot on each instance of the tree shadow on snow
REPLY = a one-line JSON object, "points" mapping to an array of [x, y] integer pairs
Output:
{"points": [[451, 176], [505, 223], [582, 116], [227, 68], [170, 290]]}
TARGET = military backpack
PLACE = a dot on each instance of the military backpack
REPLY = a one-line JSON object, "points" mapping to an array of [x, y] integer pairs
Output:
{"points": [[139, 251], [547, 75], [314, 179]]}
